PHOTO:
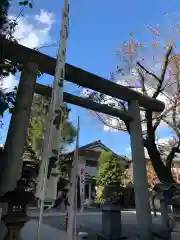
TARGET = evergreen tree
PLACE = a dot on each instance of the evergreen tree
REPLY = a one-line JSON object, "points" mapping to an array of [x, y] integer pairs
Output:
{"points": [[111, 172]]}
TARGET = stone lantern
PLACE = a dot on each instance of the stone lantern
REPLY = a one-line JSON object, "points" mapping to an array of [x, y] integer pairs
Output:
{"points": [[16, 217], [111, 213], [169, 195]]}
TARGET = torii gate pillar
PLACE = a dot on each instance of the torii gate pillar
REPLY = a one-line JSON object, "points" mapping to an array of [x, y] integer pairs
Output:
{"points": [[143, 211], [16, 137]]}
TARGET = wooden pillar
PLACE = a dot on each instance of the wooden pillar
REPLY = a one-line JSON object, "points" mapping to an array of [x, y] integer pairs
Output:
{"points": [[14, 147], [143, 212]]}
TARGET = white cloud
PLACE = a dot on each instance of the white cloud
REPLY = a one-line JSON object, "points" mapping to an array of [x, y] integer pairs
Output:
{"points": [[31, 34], [113, 122], [45, 17], [128, 150], [165, 145], [165, 140], [9, 83]]}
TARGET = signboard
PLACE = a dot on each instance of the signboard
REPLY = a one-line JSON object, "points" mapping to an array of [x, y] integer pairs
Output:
{"points": [[82, 180], [82, 184]]}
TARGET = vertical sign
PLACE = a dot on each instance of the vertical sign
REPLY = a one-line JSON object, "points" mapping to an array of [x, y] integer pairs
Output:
{"points": [[82, 183]]}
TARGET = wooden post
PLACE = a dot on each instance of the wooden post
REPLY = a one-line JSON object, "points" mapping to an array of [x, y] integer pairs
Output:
{"points": [[14, 146], [143, 212]]}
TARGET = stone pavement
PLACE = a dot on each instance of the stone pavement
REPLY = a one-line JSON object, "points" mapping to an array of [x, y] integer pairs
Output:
{"points": [[54, 225], [29, 232]]}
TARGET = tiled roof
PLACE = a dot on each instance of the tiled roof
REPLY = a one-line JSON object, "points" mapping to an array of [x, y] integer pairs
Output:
{"points": [[85, 151], [95, 144]]}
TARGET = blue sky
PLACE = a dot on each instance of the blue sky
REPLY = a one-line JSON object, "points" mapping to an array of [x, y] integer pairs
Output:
{"points": [[97, 29]]}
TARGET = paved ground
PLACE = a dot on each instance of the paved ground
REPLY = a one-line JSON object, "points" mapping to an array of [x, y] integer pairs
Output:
{"points": [[29, 232], [54, 223], [91, 222]]}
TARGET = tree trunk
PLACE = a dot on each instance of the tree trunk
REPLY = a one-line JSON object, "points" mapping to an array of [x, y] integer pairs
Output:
{"points": [[161, 170]]}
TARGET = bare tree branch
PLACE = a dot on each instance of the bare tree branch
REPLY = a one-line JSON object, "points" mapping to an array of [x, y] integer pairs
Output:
{"points": [[161, 79], [149, 120], [166, 62], [156, 124], [174, 118], [171, 156], [163, 72], [142, 79], [150, 132], [117, 127], [148, 72]]}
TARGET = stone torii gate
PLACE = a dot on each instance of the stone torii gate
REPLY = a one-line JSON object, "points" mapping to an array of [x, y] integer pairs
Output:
{"points": [[14, 147]]}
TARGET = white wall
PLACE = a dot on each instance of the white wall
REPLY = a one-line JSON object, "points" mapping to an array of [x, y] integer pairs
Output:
{"points": [[81, 163], [91, 171]]}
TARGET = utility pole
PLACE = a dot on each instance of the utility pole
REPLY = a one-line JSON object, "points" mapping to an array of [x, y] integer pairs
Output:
{"points": [[56, 113]]}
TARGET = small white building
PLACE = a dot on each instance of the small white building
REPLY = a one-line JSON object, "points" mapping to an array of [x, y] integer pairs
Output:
{"points": [[88, 160]]}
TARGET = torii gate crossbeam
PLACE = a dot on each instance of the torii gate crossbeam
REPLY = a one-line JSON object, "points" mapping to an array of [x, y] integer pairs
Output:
{"points": [[47, 64]]}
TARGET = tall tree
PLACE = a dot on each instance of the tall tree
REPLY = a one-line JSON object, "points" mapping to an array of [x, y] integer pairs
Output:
{"points": [[160, 81], [37, 126], [110, 170], [38, 122], [7, 28]]}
